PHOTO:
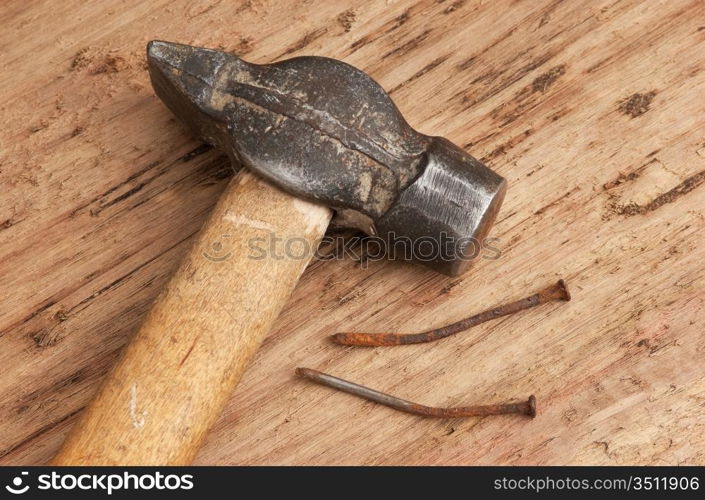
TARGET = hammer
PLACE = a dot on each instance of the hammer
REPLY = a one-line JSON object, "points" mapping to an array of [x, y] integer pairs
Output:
{"points": [[317, 137]]}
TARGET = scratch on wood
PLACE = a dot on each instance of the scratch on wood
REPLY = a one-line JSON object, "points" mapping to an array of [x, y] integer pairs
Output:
{"points": [[188, 353], [137, 418], [670, 196]]}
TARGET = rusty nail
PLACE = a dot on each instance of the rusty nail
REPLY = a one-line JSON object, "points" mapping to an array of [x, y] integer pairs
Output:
{"points": [[556, 291], [524, 408]]}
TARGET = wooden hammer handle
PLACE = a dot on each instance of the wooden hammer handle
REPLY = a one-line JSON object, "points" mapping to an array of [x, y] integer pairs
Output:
{"points": [[176, 375]]}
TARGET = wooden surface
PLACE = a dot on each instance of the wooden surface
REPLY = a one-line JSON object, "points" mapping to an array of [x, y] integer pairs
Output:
{"points": [[593, 111]]}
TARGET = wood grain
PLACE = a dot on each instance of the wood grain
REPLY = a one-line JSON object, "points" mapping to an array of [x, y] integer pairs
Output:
{"points": [[594, 113]]}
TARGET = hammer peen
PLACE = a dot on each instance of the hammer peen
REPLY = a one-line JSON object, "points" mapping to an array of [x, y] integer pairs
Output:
{"points": [[317, 137]]}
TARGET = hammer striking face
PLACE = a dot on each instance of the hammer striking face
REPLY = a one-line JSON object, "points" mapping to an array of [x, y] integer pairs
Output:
{"points": [[322, 130]]}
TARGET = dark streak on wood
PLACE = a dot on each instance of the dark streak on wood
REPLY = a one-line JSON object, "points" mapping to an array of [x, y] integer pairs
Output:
{"points": [[39, 432], [201, 149], [543, 82], [526, 98], [466, 64], [122, 197], [635, 174], [45, 338], [447, 288], [8, 223], [505, 36], [386, 29], [555, 202], [408, 46], [506, 82], [115, 188], [559, 114], [398, 21], [361, 42], [115, 283], [433, 64], [213, 177], [304, 41], [88, 372], [219, 169], [506, 217], [480, 140], [188, 353], [620, 179], [503, 148], [32, 315]]}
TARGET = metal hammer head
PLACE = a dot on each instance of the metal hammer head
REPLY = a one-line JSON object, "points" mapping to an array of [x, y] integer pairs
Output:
{"points": [[325, 131]]}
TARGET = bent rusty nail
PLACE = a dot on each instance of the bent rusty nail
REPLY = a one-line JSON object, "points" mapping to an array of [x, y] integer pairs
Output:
{"points": [[525, 408], [556, 291]]}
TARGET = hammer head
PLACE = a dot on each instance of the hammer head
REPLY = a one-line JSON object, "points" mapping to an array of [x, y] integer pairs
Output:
{"points": [[325, 131]]}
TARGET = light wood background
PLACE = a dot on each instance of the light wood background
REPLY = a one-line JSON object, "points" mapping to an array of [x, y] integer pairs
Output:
{"points": [[595, 113]]}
